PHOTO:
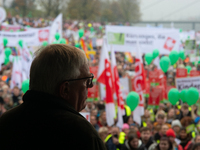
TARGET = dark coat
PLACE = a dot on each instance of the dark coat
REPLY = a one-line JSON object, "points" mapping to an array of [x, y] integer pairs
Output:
{"points": [[44, 121], [149, 143]]}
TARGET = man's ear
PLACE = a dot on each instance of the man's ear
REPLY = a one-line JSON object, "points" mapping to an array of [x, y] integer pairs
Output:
{"points": [[64, 90]]}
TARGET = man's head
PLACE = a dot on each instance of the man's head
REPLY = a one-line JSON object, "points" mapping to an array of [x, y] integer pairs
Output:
{"points": [[160, 118], [93, 120], [184, 109], [54, 66], [115, 132], [164, 129], [145, 134], [16, 91], [133, 140]]}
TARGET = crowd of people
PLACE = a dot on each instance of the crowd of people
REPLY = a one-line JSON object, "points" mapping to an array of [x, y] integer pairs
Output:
{"points": [[163, 128]]}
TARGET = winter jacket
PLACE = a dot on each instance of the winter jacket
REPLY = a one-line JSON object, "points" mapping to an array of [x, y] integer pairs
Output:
{"points": [[126, 146], [45, 121], [149, 143]]}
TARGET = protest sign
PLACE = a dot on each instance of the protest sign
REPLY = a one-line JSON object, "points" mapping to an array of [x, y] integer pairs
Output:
{"points": [[190, 47], [156, 95], [186, 83], [2, 14], [10, 27], [31, 37], [190, 128], [93, 93], [181, 72], [94, 70], [86, 115], [125, 38], [194, 73]]}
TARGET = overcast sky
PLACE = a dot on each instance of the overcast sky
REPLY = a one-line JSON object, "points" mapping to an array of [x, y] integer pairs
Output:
{"points": [[170, 10]]}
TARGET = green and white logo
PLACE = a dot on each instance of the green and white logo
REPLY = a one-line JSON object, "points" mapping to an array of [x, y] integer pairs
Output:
{"points": [[116, 38]]}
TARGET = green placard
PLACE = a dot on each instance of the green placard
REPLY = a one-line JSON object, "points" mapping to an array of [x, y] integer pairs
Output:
{"points": [[198, 127], [116, 38], [190, 128]]}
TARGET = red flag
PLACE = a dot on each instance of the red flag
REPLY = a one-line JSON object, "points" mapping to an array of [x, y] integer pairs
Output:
{"points": [[139, 85], [104, 76], [120, 101]]}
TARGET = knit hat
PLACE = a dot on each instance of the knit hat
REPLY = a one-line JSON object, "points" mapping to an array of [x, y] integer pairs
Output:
{"points": [[125, 126], [170, 132], [176, 123]]}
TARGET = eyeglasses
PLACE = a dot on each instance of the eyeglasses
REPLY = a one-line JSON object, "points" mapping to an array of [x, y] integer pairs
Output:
{"points": [[89, 80]]}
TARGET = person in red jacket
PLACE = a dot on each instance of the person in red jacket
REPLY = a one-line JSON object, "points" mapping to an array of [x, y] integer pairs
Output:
{"points": [[171, 135]]}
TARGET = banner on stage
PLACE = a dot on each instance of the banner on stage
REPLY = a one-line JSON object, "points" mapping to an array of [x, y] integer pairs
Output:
{"points": [[186, 83], [125, 38], [31, 37]]}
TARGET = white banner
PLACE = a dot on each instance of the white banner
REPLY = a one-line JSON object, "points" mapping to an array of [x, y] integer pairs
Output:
{"points": [[56, 27], [32, 37], [124, 38], [186, 83]]}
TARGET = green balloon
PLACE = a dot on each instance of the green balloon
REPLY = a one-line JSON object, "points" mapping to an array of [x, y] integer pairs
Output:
{"points": [[11, 30], [6, 60], [164, 63], [57, 36], [77, 45], [182, 55], [173, 56], [20, 43], [5, 41], [173, 96], [155, 53], [182, 95], [189, 68], [44, 43], [80, 33], [92, 29], [192, 96], [132, 100], [25, 86], [63, 41], [148, 58], [7, 51]]}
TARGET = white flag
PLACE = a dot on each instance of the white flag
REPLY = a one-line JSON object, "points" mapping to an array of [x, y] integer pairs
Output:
{"points": [[2, 55], [26, 61], [16, 78], [56, 27]]}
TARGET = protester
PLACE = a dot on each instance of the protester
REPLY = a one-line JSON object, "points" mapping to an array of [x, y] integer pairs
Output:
{"points": [[146, 137], [171, 135], [103, 133], [164, 144], [133, 142], [185, 138], [93, 121], [176, 126], [112, 140]]}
